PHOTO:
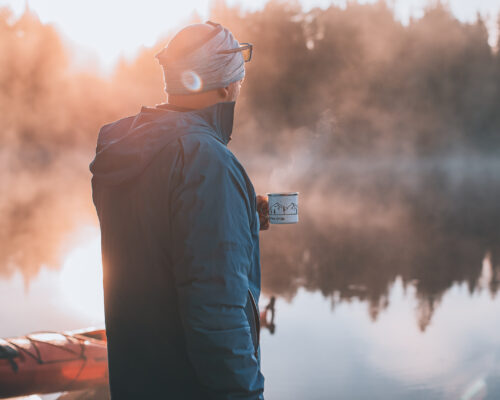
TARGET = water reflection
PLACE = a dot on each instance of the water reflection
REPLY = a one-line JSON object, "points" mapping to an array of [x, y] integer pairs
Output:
{"points": [[317, 354], [41, 211], [354, 240], [363, 225], [65, 299], [415, 248]]}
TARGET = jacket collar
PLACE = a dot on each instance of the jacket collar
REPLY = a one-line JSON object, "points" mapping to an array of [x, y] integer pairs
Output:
{"points": [[219, 117]]}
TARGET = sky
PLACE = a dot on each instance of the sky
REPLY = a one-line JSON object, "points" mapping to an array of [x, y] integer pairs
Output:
{"points": [[103, 31]]}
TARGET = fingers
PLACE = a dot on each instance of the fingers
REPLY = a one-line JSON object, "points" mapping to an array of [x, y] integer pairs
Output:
{"points": [[263, 210]]}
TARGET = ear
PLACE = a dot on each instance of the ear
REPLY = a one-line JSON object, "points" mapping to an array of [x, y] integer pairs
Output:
{"points": [[223, 92]]}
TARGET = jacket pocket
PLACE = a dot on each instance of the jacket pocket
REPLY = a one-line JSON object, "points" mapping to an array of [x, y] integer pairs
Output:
{"points": [[254, 320]]}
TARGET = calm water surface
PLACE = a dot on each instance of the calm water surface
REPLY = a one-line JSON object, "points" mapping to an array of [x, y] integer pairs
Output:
{"points": [[388, 293]]}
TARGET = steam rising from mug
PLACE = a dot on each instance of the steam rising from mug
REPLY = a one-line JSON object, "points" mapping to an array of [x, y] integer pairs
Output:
{"points": [[203, 69]]}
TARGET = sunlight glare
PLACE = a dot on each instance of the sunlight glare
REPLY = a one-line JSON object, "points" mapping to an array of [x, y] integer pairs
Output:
{"points": [[192, 81], [80, 279]]}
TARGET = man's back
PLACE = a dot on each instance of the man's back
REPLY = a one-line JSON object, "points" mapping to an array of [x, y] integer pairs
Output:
{"points": [[180, 256]]}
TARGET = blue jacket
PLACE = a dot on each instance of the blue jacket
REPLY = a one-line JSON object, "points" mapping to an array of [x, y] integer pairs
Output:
{"points": [[180, 248]]}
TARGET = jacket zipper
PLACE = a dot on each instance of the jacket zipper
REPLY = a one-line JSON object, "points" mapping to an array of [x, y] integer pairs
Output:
{"points": [[256, 319]]}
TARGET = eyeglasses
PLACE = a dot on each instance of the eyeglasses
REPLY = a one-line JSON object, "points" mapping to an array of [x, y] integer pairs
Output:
{"points": [[245, 48]]}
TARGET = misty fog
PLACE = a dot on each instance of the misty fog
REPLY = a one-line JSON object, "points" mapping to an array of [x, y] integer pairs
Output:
{"points": [[390, 133]]}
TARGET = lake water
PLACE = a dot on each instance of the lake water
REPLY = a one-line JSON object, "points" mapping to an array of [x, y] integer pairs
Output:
{"points": [[385, 290]]}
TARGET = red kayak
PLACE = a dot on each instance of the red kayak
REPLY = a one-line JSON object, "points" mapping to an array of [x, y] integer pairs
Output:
{"points": [[48, 362]]}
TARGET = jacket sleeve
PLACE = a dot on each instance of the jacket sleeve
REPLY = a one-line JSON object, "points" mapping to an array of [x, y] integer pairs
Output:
{"points": [[211, 217]]}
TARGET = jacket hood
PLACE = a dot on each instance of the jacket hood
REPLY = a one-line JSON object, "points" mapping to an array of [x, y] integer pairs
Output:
{"points": [[127, 146]]}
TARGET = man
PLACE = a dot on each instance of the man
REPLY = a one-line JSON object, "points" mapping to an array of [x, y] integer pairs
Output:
{"points": [[180, 234]]}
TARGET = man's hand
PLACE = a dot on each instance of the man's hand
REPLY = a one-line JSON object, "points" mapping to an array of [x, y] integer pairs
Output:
{"points": [[263, 210]]}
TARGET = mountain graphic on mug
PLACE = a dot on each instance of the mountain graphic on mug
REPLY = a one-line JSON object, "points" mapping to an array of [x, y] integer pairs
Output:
{"points": [[281, 209]]}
